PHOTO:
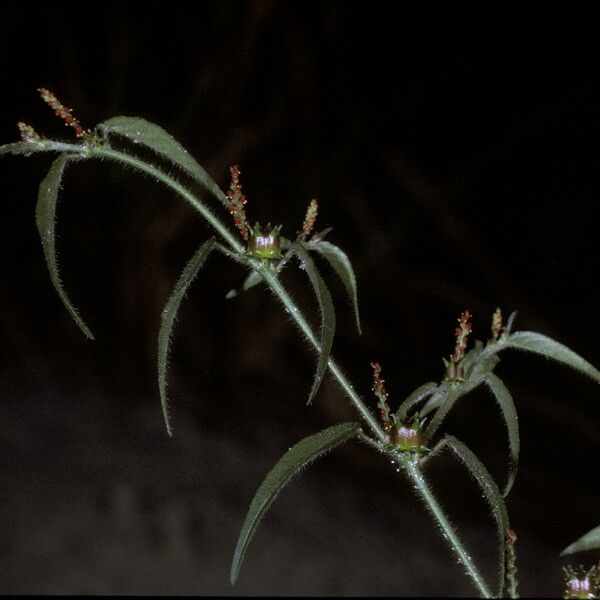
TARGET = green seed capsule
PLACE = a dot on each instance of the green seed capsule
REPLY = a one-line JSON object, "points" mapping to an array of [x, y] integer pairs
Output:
{"points": [[264, 242]]}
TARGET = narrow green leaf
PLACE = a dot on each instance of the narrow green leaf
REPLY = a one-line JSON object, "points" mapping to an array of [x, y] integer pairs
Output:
{"points": [[510, 322], [253, 278], [24, 148], [168, 319], [455, 391], [492, 495], [327, 314], [509, 412], [540, 344], [341, 264], [291, 463], [419, 394], [589, 541], [45, 217], [140, 131], [435, 400]]}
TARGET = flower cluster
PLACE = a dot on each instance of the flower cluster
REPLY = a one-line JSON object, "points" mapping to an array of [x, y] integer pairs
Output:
{"points": [[582, 584], [60, 110], [454, 371], [309, 220], [381, 393], [496, 324], [237, 200], [28, 133]]}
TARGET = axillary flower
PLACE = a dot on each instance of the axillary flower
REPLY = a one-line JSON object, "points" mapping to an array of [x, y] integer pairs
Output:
{"points": [[265, 242]]}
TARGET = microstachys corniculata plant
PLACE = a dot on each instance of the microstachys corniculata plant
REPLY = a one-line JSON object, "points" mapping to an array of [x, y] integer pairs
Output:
{"points": [[411, 436]]}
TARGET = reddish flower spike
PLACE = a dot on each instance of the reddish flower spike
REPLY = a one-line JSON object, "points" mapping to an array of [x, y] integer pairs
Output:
{"points": [[381, 393], [496, 324], [60, 110], [309, 220], [237, 200], [462, 335], [28, 133]]}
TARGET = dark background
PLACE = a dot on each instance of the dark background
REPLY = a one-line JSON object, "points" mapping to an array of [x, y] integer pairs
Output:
{"points": [[454, 152]]}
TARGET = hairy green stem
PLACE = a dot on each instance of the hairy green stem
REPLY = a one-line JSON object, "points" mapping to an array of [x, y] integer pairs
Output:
{"points": [[448, 532], [416, 477]]}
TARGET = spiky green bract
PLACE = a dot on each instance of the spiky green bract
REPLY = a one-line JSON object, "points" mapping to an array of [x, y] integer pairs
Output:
{"points": [[327, 314], [291, 463], [45, 218], [492, 495], [509, 412], [168, 319], [341, 264], [419, 394], [540, 344], [140, 131], [589, 541]]}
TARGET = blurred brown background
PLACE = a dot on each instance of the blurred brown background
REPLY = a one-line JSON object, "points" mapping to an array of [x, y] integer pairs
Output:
{"points": [[455, 154]]}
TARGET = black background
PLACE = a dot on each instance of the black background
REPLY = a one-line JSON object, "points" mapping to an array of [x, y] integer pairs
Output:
{"points": [[455, 154]]}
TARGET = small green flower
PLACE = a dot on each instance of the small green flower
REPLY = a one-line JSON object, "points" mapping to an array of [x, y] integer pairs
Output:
{"points": [[407, 437], [265, 242]]}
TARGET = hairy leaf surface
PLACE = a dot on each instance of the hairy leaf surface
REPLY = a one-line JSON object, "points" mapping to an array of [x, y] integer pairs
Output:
{"points": [[168, 319], [327, 315], [419, 394], [341, 264], [45, 218], [140, 131], [589, 541], [294, 460]]}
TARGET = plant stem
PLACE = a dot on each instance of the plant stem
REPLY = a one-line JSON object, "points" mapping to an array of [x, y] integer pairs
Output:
{"points": [[306, 329], [448, 532]]}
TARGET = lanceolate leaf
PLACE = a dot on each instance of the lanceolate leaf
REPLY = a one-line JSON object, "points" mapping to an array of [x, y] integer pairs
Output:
{"points": [[589, 541], [509, 412], [140, 131], [293, 461], [455, 391], [168, 319], [435, 400], [341, 264], [45, 217], [540, 344], [492, 495], [327, 315], [419, 394]]}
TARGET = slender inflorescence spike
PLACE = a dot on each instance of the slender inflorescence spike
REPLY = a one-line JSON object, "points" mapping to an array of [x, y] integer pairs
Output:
{"points": [[462, 335], [28, 133], [309, 220], [237, 201], [511, 564], [496, 324], [60, 110], [381, 393]]}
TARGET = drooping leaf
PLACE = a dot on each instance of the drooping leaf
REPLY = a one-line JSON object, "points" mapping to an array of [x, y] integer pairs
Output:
{"points": [[419, 394], [253, 278], [541, 344], [140, 131], [589, 541], [293, 461], [327, 314], [492, 495], [341, 264], [45, 218], [509, 412], [168, 319]]}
